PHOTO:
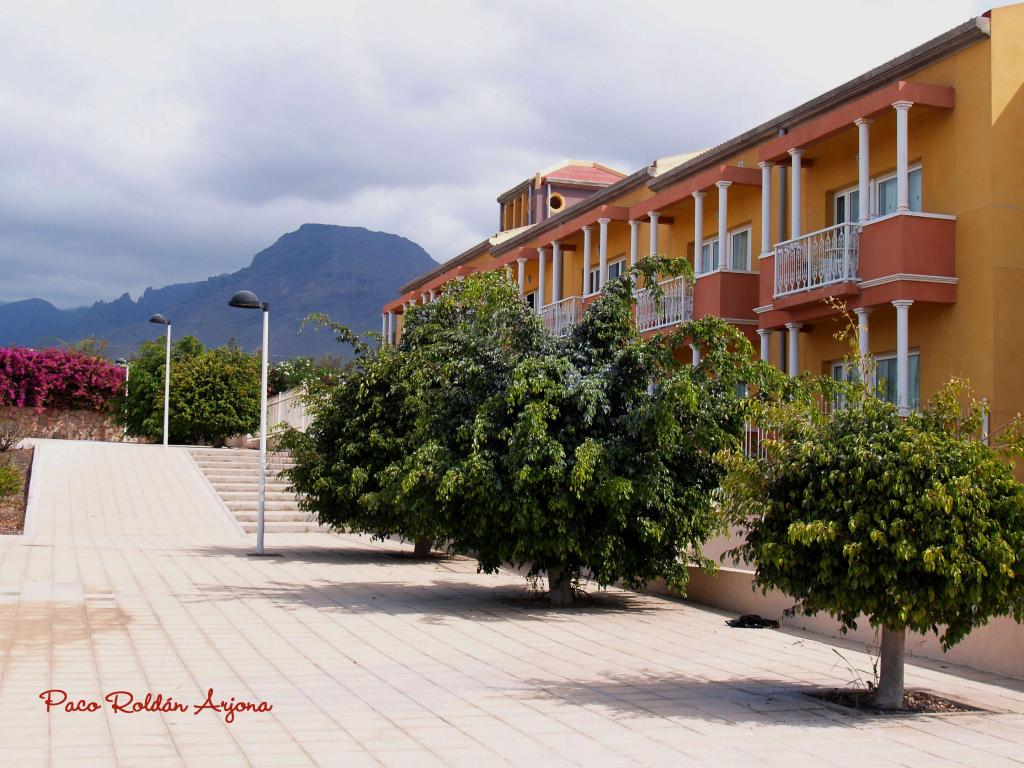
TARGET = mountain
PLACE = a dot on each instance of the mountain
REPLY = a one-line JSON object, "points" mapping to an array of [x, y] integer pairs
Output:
{"points": [[345, 272]]}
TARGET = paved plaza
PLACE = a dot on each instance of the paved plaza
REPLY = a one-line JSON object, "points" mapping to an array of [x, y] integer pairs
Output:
{"points": [[131, 577]]}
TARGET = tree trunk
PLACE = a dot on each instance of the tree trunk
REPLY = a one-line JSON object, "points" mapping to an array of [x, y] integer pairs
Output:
{"points": [[422, 548], [560, 586], [890, 681]]}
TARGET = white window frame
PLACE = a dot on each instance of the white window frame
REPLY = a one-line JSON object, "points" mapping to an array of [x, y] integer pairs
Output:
{"points": [[847, 195], [847, 367], [725, 263], [528, 296], [592, 277], [731, 236], [711, 243], [876, 182]]}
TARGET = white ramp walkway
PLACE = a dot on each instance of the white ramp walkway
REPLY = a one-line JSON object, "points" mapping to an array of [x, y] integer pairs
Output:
{"points": [[133, 580]]}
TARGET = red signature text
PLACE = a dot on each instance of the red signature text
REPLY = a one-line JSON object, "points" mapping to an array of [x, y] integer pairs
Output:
{"points": [[128, 703]]}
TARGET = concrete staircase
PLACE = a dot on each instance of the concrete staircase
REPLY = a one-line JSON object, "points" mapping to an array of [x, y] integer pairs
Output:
{"points": [[234, 475]]}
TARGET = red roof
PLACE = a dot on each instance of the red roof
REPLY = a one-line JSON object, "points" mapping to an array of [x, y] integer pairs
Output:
{"points": [[584, 173]]}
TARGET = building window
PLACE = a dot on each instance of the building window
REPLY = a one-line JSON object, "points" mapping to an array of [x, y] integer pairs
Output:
{"points": [[846, 206], [885, 192], [885, 384], [709, 256], [615, 269], [739, 252], [531, 299], [739, 249]]}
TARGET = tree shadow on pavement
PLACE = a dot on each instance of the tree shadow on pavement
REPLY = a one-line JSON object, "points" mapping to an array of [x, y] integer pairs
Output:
{"points": [[383, 554], [747, 701], [436, 600]]}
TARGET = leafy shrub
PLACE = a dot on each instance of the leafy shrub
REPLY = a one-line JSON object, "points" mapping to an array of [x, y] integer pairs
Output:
{"points": [[57, 378], [10, 481], [215, 393], [291, 374]]}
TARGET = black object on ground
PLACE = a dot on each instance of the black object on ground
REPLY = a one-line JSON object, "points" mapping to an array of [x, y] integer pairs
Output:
{"points": [[753, 621]]}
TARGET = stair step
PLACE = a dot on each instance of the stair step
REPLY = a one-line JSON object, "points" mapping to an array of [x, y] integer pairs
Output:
{"points": [[245, 505], [227, 474], [254, 495], [277, 517], [248, 487], [249, 465], [270, 527]]}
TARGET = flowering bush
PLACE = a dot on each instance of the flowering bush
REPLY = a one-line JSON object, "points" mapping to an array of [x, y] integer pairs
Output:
{"points": [[60, 379]]}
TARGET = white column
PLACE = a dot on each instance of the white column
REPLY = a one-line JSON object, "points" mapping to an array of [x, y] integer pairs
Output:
{"points": [[794, 347], [423, 298], [521, 276], [766, 207], [602, 250], [695, 350], [392, 327], [587, 243], [863, 346], [724, 262], [766, 340], [863, 169], [433, 294], [653, 216], [634, 242], [698, 229], [556, 271], [902, 148], [384, 326], [903, 355], [542, 257], [794, 184]]}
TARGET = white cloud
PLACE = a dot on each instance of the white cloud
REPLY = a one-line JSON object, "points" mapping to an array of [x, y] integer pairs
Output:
{"points": [[145, 144]]}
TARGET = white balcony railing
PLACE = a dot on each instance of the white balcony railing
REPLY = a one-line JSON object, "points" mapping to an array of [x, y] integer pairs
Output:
{"points": [[676, 307], [824, 257], [288, 408], [560, 316]]}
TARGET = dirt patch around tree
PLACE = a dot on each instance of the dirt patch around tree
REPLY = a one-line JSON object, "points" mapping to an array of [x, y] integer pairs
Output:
{"points": [[12, 508], [915, 702]]}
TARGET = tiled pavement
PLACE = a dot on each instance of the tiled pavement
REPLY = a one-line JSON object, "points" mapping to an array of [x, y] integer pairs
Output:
{"points": [[131, 578]]}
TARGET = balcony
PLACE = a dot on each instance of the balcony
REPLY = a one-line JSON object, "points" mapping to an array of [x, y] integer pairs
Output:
{"points": [[821, 258], [560, 316], [676, 305], [903, 255]]}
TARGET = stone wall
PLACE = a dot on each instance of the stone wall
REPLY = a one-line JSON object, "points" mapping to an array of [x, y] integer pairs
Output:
{"points": [[65, 425]]}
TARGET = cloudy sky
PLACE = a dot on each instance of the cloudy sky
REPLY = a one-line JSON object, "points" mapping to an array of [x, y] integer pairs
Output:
{"points": [[148, 143]]}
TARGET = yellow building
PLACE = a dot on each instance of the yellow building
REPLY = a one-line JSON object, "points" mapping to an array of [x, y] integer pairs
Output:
{"points": [[900, 193]]}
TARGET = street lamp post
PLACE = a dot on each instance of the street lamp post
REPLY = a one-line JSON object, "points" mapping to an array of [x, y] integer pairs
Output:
{"points": [[122, 363], [161, 320], [248, 300]]}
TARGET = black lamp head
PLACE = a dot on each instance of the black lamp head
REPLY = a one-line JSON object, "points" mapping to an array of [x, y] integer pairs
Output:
{"points": [[121, 362], [245, 300], [159, 319]]}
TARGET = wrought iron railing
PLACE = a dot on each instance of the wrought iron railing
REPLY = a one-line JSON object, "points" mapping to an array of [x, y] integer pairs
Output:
{"points": [[560, 316], [820, 258], [676, 305]]}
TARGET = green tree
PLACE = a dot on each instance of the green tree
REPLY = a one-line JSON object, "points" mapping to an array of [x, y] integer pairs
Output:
{"points": [[215, 393], [585, 455], [912, 522]]}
